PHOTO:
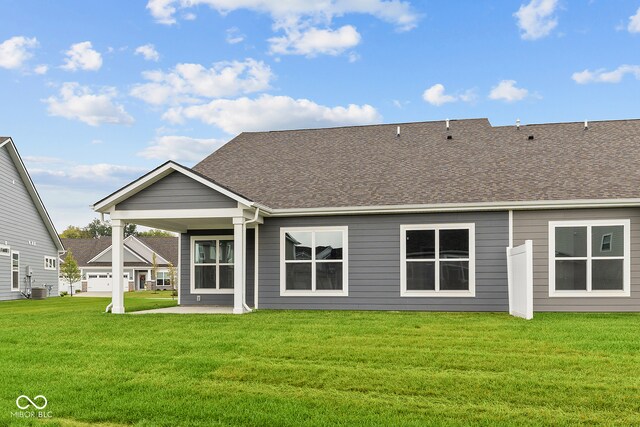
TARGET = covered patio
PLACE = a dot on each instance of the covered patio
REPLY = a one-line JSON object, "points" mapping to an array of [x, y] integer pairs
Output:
{"points": [[175, 198]]}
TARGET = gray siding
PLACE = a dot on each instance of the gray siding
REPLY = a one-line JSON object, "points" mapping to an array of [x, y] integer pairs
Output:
{"points": [[374, 264], [534, 225], [177, 191], [21, 223], [186, 297]]}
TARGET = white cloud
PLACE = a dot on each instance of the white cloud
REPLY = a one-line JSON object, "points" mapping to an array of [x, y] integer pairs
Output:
{"points": [[537, 19], [148, 51], [57, 170], [507, 91], [397, 12], [436, 95], [77, 102], [234, 36], [306, 24], [269, 112], [313, 41], [41, 69], [188, 82], [634, 22], [180, 148], [82, 56], [14, 52], [603, 76]]}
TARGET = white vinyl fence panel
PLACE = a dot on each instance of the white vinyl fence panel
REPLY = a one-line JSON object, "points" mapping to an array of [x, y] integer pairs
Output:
{"points": [[520, 271]]}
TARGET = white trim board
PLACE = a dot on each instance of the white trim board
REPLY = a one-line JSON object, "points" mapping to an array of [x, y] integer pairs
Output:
{"points": [[453, 207]]}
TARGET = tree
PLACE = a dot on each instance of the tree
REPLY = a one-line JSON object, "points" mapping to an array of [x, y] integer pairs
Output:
{"points": [[154, 233], [69, 271], [95, 229], [154, 271], [173, 277], [73, 232]]}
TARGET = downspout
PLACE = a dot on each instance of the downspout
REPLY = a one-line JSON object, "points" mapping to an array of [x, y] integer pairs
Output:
{"points": [[244, 294]]}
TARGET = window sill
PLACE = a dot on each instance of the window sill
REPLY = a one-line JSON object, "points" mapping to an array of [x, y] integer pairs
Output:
{"points": [[439, 294], [587, 294], [286, 293], [212, 291]]}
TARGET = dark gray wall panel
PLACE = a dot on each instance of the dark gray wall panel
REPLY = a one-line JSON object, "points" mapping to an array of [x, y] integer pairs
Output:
{"points": [[374, 263], [177, 191], [20, 223], [534, 225], [186, 297]]}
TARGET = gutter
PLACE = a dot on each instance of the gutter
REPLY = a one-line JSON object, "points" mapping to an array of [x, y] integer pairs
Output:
{"points": [[255, 285], [454, 207]]}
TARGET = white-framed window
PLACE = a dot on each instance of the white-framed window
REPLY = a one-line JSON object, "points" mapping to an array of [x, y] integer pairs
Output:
{"points": [[590, 258], [163, 279], [212, 264], [15, 270], [50, 263], [5, 250], [314, 261], [437, 260]]}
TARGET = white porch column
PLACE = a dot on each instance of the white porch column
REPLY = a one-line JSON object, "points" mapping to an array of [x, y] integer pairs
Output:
{"points": [[117, 266], [238, 266]]}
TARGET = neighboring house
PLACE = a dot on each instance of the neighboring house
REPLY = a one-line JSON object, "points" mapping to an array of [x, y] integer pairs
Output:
{"points": [[29, 243], [412, 216], [94, 260]]}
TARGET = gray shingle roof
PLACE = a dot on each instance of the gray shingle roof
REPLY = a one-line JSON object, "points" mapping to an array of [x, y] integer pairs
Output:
{"points": [[370, 166], [86, 249]]}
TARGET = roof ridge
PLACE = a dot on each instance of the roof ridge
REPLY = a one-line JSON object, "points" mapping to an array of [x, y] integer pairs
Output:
{"points": [[369, 125]]}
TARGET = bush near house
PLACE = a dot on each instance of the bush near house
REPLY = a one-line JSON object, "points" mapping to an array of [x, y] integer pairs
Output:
{"points": [[306, 368]]}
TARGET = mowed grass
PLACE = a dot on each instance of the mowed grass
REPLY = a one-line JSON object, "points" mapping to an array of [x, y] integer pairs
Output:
{"points": [[299, 368]]}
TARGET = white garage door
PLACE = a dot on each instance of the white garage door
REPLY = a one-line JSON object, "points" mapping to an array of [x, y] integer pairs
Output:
{"points": [[101, 282]]}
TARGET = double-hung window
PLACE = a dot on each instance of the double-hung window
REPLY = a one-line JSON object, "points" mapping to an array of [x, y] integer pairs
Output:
{"points": [[163, 279], [50, 263], [589, 258], [313, 261], [15, 271], [212, 264], [437, 260]]}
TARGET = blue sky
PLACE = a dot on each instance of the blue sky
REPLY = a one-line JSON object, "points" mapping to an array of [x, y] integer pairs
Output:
{"points": [[97, 93]]}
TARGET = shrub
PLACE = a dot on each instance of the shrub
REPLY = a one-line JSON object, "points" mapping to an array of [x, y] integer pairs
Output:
{"points": [[62, 294]]}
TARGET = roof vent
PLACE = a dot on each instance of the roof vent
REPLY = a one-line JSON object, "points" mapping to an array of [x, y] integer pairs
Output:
{"points": [[449, 137], [447, 123], [398, 132], [518, 124], [586, 125], [530, 137]]}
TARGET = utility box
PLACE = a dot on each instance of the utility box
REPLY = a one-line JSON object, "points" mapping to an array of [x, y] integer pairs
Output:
{"points": [[38, 293]]}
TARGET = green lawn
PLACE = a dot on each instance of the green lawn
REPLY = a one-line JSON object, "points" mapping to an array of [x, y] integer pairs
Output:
{"points": [[288, 368]]}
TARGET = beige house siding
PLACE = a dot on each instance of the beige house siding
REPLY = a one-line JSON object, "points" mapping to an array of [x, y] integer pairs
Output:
{"points": [[534, 225]]}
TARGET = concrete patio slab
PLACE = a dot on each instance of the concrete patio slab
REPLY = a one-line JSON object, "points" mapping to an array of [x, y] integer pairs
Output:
{"points": [[105, 294], [185, 309]]}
